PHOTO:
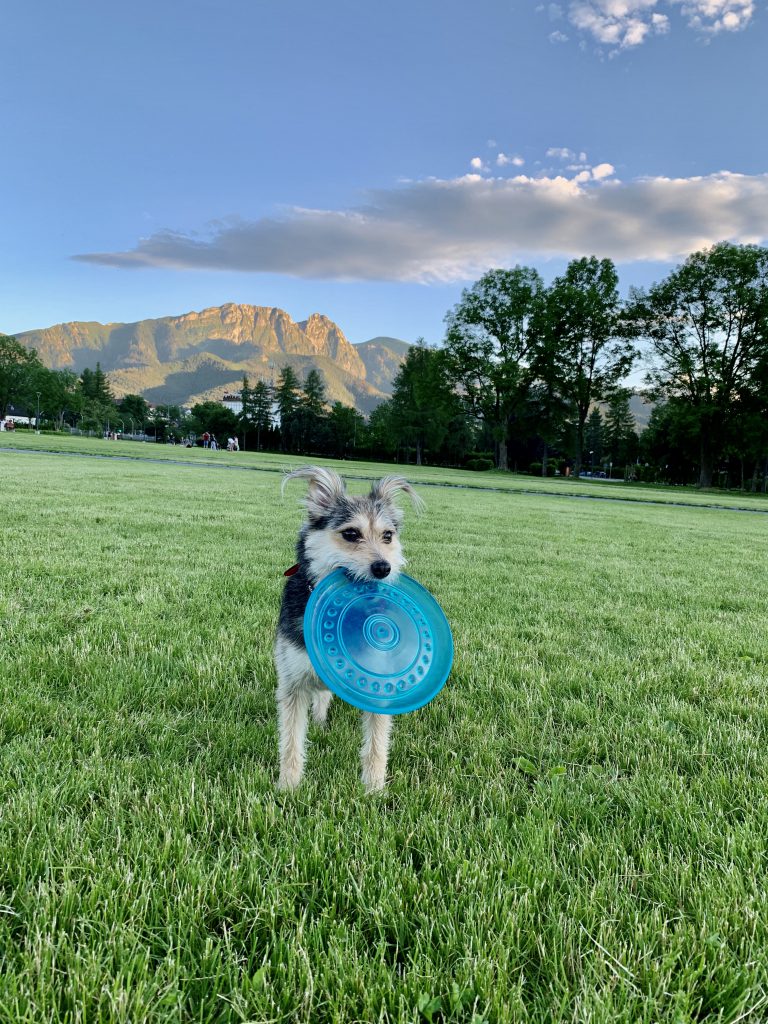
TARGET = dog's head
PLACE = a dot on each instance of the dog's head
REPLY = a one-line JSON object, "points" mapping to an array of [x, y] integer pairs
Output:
{"points": [[360, 533]]}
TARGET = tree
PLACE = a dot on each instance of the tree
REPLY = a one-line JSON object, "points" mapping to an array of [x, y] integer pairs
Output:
{"points": [[620, 434], [214, 418], [312, 411], [547, 401], [381, 430], [287, 400], [59, 396], [489, 342], [345, 428], [707, 324], [668, 446], [423, 399], [136, 408], [260, 410], [586, 318], [95, 386], [19, 367], [594, 434]]}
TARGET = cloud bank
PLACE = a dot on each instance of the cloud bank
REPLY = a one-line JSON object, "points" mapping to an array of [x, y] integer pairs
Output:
{"points": [[623, 24], [448, 230]]}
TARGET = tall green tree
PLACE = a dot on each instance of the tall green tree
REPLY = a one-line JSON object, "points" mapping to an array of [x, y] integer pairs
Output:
{"points": [[287, 398], [594, 436], [312, 412], [19, 369], [95, 386], [707, 324], [621, 439], [548, 404], [586, 317], [381, 432], [489, 342], [261, 410], [59, 395], [346, 428], [424, 400]]}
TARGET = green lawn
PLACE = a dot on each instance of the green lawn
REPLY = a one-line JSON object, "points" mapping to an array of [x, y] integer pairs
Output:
{"points": [[575, 829], [427, 475]]}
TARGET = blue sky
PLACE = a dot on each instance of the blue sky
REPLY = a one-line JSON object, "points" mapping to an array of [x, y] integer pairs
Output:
{"points": [[363, 160]]}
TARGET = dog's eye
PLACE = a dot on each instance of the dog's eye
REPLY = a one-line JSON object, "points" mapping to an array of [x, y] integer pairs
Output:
{"points": [[351, 535], [387, 536]]}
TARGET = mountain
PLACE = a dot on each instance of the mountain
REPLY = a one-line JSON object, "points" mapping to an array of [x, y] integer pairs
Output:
{"points": [[382, 358], [198, 356], [641, 409]]}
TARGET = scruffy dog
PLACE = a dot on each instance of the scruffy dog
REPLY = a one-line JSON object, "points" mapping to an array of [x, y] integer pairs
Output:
{"points": [[361, 535]]}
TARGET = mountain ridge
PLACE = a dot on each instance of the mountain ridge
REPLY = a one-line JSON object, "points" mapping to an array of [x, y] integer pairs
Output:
{"points": [[201, 355]]}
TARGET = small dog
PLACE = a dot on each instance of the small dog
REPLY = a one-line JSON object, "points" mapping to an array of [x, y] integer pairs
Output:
{"points": [[359, 534]]}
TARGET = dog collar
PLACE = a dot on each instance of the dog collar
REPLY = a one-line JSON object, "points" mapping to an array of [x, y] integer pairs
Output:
{"points": [[292, 572]]}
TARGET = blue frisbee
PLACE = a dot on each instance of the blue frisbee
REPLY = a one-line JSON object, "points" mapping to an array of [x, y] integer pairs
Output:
{"points": [[383, 647]]}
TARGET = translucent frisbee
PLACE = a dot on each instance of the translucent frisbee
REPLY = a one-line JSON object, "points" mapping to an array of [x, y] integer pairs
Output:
{"points": [[383, 647]]}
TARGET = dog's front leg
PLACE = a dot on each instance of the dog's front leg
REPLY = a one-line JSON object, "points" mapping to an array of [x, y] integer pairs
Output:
{"points": [[294, 696], [375, 749], [292, 716]]}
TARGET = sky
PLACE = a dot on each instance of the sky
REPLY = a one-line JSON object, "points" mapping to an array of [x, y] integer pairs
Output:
{"points": [[363, 160]]}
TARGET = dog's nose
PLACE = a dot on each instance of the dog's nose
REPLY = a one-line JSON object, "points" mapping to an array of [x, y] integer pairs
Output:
{"points": [[381, 569]]}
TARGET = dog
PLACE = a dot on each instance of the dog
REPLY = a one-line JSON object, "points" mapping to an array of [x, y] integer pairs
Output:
{"points": [[362, 535]]}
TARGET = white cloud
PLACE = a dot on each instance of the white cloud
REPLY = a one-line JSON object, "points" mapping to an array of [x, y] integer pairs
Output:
{"points": [[476, 163], [558, 37], [455, 229], [503, 159], [561, 152], [617, 23], [603, 171], [624, 24], [717, 15]]}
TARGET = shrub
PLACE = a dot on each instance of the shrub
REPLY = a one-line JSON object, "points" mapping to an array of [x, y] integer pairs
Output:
{"points": [[480, 465], [535, 468]]}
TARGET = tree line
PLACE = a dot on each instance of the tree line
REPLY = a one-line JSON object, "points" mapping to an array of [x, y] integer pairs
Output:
{"points": [[539, 371], [529, 377]]}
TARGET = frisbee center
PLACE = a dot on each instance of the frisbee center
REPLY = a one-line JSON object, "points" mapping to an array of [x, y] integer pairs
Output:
{"points": [[381, 633]]}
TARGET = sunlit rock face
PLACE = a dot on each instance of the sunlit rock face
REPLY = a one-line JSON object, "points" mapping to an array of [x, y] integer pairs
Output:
{"points": [[204, 355]]}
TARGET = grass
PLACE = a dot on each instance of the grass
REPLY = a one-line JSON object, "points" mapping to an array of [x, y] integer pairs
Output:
{"points": [[575, 829], [426, 475]]}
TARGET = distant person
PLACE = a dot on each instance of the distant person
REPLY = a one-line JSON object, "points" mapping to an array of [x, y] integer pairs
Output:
{"points": [[206, 439], [235, 444], [214, 445], [230, 444]]}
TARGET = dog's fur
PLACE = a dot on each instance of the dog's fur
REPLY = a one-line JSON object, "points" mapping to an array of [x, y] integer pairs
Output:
{"points": [[361, 535]]}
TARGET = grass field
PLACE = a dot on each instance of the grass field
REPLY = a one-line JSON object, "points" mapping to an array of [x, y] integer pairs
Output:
{"points": [[575, 829], [426, 475]]}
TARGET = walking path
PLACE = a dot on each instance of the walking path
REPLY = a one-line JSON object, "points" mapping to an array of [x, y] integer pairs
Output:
{"points": [[419, 483]]}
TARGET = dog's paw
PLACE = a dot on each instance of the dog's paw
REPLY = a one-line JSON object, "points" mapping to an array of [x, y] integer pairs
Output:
{"points": [[373, 783], [288, 781], [320, 706]]}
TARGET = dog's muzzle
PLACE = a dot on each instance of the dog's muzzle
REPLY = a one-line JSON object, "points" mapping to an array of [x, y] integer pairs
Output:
{"points": [[381, 569]]}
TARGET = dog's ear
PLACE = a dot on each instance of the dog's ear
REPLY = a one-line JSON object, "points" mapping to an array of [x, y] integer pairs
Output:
{"points": [[326, 488], [387, 489]]}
